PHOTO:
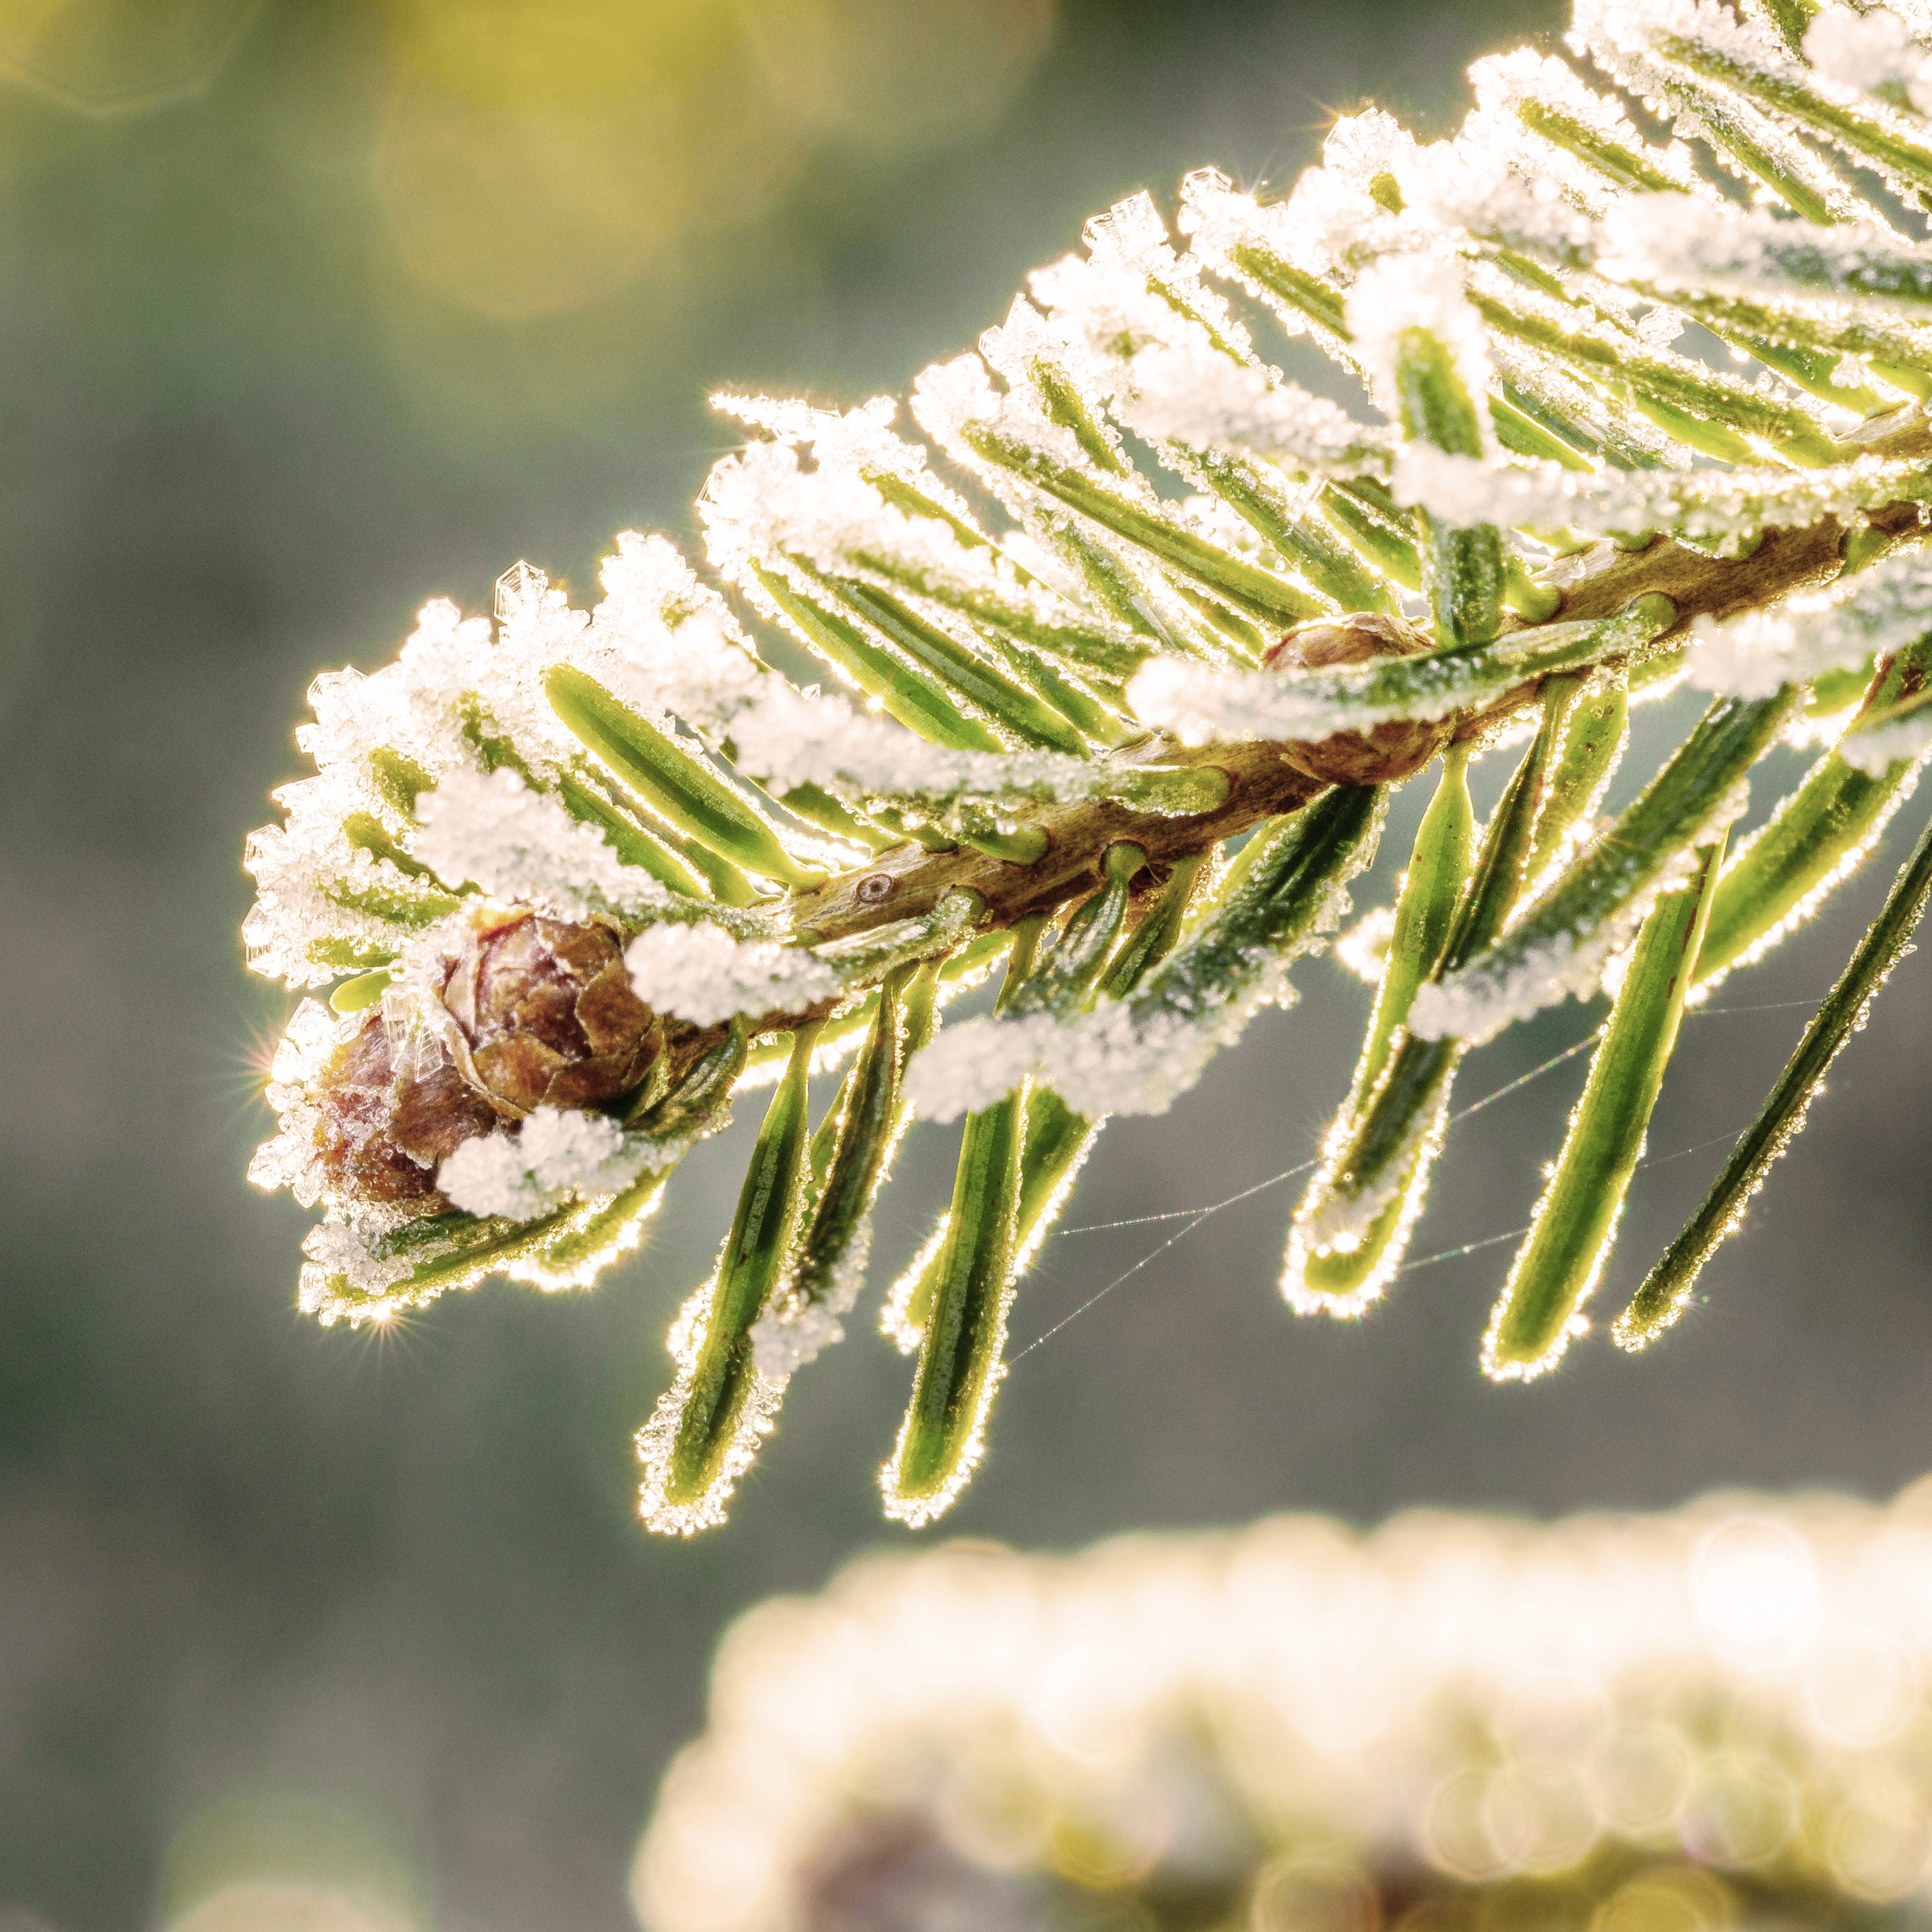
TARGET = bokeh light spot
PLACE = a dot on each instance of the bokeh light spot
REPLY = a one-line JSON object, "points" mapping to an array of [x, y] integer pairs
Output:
{"points": [[1640, 1777], [1300, 1895], [1862, 1689], [117, 56], [264, 1860], [1552, 1722], [539, 155], [1455, 1828], [1681, 1901], [1742, 1811], [1104, 1853], [993, 1817], [538, 158], [284, 1908], [884, 75], [1537, 1826], [1878, 1845], [1756, 1590]]}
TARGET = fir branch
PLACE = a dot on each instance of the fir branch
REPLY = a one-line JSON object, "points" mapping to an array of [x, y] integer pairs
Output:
{"points": [[580, 877]]}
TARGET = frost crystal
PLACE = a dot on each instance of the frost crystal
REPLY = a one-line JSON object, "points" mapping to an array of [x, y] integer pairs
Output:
{"points": [[1722, 511], [1139, 1056], [525, 1172], [1203, 705], [1864, 51], [521, 845], [1216, 400], [1873, 748], [1875, 612], [971, 1065], [290, 1159], [1110, 1061], [784, 1341], [657, 1440], [685, 654], [792, 739], [1516, 981], [1405, 292], [1114, 1061], [701, 974], [1675, 243], [1362, 949], [1332, 1221], [794, 1332], [1516, 90], [1131, 297]]}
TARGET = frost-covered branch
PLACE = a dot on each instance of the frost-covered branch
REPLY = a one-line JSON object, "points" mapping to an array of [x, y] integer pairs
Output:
{"points": [[1120, 635]]}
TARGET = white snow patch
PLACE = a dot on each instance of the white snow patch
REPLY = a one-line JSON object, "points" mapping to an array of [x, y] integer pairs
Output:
{"points": [[1109, 1061], [792, 1332]]}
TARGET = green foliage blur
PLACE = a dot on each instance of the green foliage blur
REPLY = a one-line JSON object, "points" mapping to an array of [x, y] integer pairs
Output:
{"points": [[312, 309]]}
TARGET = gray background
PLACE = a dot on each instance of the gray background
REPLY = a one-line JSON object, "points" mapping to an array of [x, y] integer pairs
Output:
{"points": [[389, 1591]]}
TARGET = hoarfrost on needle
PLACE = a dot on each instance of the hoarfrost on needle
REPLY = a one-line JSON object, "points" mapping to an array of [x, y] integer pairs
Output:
{"points": [[699, 973], [523, 1172], [522, 845], [1875, 611], [1867, 51]]}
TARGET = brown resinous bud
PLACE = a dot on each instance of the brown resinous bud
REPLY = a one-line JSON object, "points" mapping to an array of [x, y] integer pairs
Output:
{"points": [[1386, 752], [530, 1012]]}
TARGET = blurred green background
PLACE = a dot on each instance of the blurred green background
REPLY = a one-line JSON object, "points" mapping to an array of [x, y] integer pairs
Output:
{"points": [[312, 310]]}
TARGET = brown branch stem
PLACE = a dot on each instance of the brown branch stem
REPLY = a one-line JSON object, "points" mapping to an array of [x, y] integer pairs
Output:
{"points": [[907, 880]]}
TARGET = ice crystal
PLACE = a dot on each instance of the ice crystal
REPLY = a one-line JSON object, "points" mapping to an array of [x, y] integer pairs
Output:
{"points": [[1476, 1005], [1110, 1062], [1427, 291], [1132, 295], [1874, 748], [1675, 244], [1363, 948], [290, 1159], [1842, 852], [1877, 610], [899, 1322], [970, 1065], [763, 503], [1140, 1056], [701, 974], [685, 1516], [794, 1333], [687, 656], [1867, 51], [521, 846], [793, 739], [1724, 511], [1333, 1221], [1517, 91], [1205, 705], [1200, 401], [554, 1152]]}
